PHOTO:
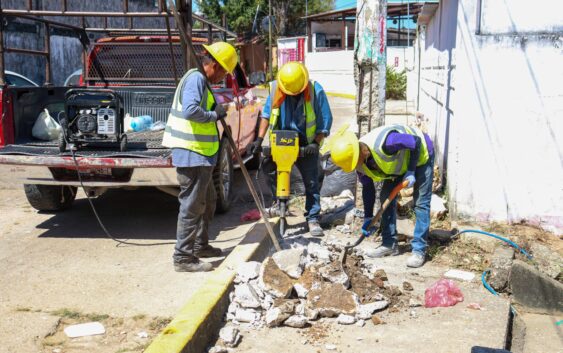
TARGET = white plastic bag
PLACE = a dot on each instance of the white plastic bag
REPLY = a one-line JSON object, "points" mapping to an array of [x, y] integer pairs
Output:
{"points": [[45, 127]]}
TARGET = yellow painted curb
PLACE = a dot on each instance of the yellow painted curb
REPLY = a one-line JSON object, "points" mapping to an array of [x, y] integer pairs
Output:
{"points": [[341, 95], [192, 327]]}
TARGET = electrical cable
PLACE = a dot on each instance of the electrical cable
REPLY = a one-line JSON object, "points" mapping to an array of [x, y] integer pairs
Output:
{"points": [[107, 233]]}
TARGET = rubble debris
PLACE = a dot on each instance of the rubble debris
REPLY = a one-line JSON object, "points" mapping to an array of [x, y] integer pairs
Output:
{"points": [[332, 299], [360, 323], [459, 275], [219, 349], [407, 286], [334, 274], [296, 321], [376, 320], [274, 317], [230, 336], [246, 315], [474, 306], [365, 311], [290, 261], [393, 291], [413, 314], [442, 293], [438, 208], [344, 229], [482, 241], [318, 252], [344, 319], [309, 279], [381, 274], [247, 271], [246, 296], [274, 281]]}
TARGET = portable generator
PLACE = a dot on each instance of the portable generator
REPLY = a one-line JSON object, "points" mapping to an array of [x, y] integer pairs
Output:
{"points": [[92, 117]]}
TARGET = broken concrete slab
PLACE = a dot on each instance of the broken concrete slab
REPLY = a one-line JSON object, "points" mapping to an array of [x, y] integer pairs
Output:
{"points": [[542, 334], [247, 271], [296, 321], [332, 299], [344, 319], [274, 317], [318, 252], [291, 261], [230, 336], [273, 280], [365, 311], [501, 263], [246, 315], [333, 273], [246, 296], [482, 241], [548, 261], [536, 291], [309, 279]]}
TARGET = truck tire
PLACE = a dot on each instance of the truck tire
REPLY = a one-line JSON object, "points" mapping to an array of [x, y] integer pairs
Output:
{"points": [[50, 197], [223, 177]]}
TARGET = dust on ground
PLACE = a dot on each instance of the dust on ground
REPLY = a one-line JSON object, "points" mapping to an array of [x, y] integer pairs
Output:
{"points": [[132, 334]]}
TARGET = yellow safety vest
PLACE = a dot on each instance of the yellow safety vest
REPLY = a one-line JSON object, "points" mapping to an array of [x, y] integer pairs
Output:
{"points": [[391, 165], [180, 132], [310, 117]]}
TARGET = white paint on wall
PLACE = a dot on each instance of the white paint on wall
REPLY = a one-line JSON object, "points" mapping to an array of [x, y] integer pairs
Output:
{"points": [[494, 105]]}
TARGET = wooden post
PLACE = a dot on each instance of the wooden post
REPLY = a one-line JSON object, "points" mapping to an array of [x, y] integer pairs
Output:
{"points": [[209, 34], [48, 57]]}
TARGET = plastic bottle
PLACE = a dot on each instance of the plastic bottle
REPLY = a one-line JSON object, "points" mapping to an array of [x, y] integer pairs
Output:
{"points": [[141, 123]]}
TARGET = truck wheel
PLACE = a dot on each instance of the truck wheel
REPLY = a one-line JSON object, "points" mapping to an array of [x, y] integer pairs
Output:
{"points": [[223, 177], [49, 197]]}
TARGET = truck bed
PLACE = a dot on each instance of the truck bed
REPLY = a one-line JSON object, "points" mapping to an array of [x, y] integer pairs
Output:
{"points": [[140, 145]]}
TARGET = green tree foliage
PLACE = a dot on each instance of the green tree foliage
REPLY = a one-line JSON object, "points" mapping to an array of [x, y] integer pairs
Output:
{"points": [[240, 13], [396, 85]]}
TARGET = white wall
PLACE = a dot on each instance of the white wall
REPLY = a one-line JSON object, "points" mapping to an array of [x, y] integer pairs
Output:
{"points": [[494, 104], [403, 55], [334, 70]]}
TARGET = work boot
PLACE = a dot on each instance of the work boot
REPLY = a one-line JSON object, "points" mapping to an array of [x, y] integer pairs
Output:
{"points": [[383, 251], [208, 251], [416, 260], [315, 229], [192, 266]]}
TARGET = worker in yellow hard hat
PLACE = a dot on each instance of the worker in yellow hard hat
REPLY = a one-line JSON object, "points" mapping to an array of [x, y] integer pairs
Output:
{"points": [[391, 154], [298, 104], [191, 133]]}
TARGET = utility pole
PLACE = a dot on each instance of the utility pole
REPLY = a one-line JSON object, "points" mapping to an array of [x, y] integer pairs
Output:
{"points": [[306, 15], [370, 61], [271, 57]]}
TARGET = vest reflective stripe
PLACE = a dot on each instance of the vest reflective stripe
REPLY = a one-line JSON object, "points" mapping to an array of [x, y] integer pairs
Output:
{"points": [[310, 117], [180, 132], [397, 163]]}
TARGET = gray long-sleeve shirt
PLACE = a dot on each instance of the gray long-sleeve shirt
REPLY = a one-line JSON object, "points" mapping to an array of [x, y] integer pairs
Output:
{"points": [[192, 95]]}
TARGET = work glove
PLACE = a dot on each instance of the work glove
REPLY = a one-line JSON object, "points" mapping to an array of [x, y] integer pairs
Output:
{"points": [[366, 229], [220, 111], [311, 149], [409, 176], [256, 146]]}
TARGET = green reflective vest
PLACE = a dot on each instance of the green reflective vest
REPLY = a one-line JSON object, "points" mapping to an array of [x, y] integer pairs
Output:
{"points": [[180, 132], [391, 165], [310, 117]]}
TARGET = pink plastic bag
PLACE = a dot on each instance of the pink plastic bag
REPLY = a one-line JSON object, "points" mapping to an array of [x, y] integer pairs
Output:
{"points": [[442, 293], [252, 215]]}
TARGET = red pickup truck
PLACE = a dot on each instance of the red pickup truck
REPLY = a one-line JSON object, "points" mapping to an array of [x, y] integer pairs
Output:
{"points": [[139, 70]]}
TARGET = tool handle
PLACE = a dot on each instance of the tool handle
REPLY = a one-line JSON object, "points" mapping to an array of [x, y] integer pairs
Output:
{"points": [[388, 201]]}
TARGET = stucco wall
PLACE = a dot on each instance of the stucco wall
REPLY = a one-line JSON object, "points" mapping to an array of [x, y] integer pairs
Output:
{"points": [[334, 70], [494, 104]]}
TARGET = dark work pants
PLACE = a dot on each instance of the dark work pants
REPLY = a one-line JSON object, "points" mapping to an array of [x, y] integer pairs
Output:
{"points": [[197, 205]]}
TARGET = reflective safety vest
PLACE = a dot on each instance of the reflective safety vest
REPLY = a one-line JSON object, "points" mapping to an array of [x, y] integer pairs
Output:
{"points": [[180, 132], [277, 98], [392, 165]]}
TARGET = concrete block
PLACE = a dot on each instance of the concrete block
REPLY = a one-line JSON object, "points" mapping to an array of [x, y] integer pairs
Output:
{"points": [[247, 271], [246, 296], [291, 261], [296, 321], [274, 281], [274, 317], [535, 290], [549, 261], [500, 268], [230, 336]]}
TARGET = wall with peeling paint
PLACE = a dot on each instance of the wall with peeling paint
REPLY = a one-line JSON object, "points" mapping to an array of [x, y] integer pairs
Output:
{"points": [[490, 90]]}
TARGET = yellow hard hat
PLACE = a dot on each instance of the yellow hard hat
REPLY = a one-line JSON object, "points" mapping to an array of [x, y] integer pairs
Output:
{"points": [[225, 54], [293, 78], [345, 151]]}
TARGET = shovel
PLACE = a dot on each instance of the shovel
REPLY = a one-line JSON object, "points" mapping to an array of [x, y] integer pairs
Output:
{"points": [[375, 219]]}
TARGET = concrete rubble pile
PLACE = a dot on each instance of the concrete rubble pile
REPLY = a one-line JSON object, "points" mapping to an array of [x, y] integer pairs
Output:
{"points": [[305, 283]]}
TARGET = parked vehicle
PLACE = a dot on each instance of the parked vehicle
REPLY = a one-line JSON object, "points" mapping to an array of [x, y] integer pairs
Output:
{"points": [[17, 80], [139, 70]]}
